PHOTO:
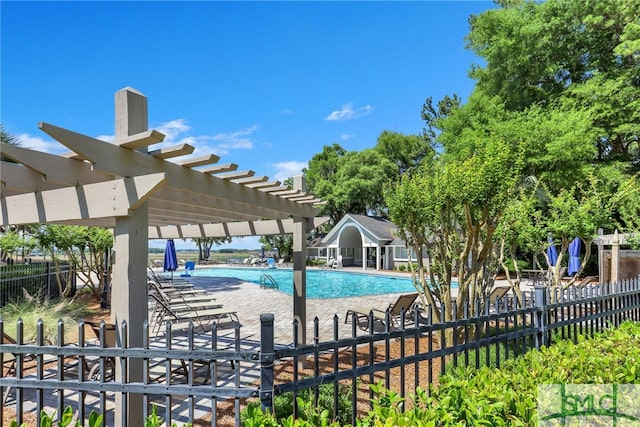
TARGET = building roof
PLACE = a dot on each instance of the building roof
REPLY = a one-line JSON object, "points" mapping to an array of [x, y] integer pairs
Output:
{"points": [[377, 228], [382, 228]]}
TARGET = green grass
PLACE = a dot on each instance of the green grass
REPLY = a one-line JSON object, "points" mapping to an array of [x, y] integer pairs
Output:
{"points": [[31, 310], [193, 256]]}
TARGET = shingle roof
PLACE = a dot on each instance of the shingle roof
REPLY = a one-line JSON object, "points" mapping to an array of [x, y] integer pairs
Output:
{"points": [[380, 227]]}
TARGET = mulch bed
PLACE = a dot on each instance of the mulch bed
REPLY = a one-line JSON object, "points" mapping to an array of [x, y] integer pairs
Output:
{"points": [[400, 382]]}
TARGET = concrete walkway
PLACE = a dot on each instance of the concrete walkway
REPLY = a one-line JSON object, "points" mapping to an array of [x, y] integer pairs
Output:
{"points": [[249, 300]]}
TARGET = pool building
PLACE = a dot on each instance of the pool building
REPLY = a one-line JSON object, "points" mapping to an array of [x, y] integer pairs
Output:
{"points": [[362, 241]]}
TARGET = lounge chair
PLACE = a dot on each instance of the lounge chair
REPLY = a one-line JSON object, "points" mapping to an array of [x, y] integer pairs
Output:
{"points": [[401, 306], [496, 296], [104, 368], [330, 262], [13, 361], [203, 317], [581, 283], [178, 302]]}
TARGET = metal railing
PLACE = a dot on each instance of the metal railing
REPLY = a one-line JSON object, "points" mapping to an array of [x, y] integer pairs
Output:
{"points": [[267, 281], [194, 374], [36, 279]]}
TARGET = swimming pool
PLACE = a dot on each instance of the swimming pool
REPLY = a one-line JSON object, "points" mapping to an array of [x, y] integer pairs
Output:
{"points": [[320, 283]]}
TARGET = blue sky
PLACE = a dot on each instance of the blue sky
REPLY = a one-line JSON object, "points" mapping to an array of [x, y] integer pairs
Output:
{"points": [[262, 84]]}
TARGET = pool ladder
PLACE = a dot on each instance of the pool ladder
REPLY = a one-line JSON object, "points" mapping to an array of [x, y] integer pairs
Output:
{"points": [[266, 281]]}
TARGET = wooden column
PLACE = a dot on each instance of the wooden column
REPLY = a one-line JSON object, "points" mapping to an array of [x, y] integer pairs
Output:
{"points": [[129, 300], [615, 257]]}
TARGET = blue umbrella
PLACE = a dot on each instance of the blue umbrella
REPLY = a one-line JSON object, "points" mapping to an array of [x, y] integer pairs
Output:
{"points": [[170, 258], [552, 253], [574, 256]]}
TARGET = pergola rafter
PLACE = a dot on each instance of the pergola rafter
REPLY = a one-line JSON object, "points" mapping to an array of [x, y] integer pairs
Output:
{"points": [[142, 194]]}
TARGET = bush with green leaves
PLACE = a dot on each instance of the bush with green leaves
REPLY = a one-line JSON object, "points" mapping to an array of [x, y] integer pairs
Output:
{"points": [[283, 404], [507, 396], [70, 419]]}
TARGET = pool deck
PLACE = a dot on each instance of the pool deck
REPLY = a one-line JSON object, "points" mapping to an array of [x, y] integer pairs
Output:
{"points": [[249, 300]]}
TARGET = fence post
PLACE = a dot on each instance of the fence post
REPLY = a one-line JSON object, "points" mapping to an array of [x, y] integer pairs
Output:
{"points": [[47, 268], [540, 301], [267, 359]]}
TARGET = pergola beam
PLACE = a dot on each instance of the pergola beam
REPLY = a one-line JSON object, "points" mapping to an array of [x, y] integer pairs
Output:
{"points": [[123, 162], [55, 169], [140, 140], [82, 202], [199, 161], [173, 151], [240, 229]]}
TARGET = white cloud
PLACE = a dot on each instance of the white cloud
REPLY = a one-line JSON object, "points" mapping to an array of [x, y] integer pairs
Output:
{"points": [[37, 143], [289, 169], [348, 113], [172, 129], [346, 136], [177, 132]]}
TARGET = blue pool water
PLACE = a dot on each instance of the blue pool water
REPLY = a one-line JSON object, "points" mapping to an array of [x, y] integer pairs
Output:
{"points": [[320, 283]]}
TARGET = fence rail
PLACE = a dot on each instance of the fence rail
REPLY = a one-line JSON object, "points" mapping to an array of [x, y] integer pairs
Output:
{"points": [[36, 279], [193, 375]]}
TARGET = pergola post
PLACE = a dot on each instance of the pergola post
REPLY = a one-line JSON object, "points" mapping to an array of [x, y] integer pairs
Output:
{"points": [[129, 283], [300, 268], [615, 257]]}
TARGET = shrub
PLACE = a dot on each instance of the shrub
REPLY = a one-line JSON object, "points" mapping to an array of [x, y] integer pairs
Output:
{"points": [[283, 404], [31, 309], [507, 396]]}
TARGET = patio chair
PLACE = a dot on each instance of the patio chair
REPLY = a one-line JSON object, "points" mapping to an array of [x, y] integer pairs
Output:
{"points": [[401, 306], [178, 302], [104, 368], [496, 296], [203, 317], [581, 283], [338, 262], [330, 262], [176, 282], [188, 266], [10, 361], [179, 296]]}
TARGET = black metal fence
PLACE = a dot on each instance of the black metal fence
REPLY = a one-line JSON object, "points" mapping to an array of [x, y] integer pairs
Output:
{"points": [[199, 377], [36, 279]]}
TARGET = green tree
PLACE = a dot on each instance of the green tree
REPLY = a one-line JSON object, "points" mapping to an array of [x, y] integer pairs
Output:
{"points": [[84, 248], [405, 151], [14, 242], [350, 182], [569, 55], [205, 244], [283, 243], [321, 177], [455, 220], [360, 181]]}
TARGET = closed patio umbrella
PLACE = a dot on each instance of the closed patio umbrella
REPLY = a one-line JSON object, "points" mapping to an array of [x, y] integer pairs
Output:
{"points": [[552, 253], [574, 256], [170, 258]]}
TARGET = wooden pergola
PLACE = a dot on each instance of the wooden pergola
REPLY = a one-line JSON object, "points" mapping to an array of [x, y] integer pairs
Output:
{"points": [[142, 194]]}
